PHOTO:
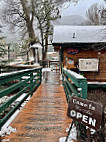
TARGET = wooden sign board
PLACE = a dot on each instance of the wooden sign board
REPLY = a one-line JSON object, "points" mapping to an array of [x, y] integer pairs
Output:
{"points": [[87, 112], [88, 64]]}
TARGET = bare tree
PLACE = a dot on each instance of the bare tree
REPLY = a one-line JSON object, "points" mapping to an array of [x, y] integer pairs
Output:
{"points": [[22, 13], [19, 13], [97, 16], [45, 13], [94, 15]]}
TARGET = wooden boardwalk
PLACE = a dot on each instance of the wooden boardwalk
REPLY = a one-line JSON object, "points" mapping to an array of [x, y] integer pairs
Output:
{"points": [[44, 117]]}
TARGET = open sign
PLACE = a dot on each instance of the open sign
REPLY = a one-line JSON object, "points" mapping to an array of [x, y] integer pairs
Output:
{"points": [[87, 112]]}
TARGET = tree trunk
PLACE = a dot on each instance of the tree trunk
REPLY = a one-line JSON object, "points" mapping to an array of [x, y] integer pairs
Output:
{"points": [[29, 22], [8, 52], [45, 52], [27, 56]]}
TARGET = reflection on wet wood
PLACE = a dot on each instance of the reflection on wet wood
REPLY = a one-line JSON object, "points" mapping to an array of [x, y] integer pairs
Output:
{"points": [[44, 117]]}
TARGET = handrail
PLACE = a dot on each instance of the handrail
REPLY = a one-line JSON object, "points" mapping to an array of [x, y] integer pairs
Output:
{"points": [[74, 74], [24, 81], [74, 84], [16, 67]]}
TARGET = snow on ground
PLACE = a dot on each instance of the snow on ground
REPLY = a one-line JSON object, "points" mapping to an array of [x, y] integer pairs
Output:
{"points": [[46, 69], [60, 76], [72, 135], [4, 99], [36, 64], [6, 129]]}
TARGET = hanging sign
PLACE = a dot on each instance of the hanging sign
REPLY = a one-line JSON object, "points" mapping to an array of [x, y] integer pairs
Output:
{"points": [[88, 64], [84, 111], [72, 51]]}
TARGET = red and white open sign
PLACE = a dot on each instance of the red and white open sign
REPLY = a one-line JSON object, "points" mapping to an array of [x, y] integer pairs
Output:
{"points": [[87, 112]]}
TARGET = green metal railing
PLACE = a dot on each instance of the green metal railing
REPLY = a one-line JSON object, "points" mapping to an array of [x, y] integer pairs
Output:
{"points": [[74, 84], [25, 81]]}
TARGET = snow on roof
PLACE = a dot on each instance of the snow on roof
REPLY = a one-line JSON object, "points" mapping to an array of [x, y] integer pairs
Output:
{"points": [[37, 45], [79, 34]]}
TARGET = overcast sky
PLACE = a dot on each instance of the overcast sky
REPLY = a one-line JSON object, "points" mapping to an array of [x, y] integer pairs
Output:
{"points": [[80, 8]]}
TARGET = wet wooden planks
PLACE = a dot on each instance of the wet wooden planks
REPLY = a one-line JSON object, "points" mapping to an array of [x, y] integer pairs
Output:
{"points": [[44, 117]]}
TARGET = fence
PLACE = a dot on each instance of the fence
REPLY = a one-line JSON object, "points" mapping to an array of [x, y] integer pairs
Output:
{"points": [[74, 84], [24, 81]]}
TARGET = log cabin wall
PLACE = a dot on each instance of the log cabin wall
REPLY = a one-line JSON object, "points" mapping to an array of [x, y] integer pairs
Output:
{"points": [[91, 76]]}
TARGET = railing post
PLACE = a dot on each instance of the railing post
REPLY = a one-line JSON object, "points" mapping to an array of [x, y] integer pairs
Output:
{"points": [[83, 85], [40, 75], [31, 82], [0, 69]]}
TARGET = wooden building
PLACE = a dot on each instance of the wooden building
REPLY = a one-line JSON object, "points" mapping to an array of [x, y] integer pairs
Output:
{"points": [[82, 49]]}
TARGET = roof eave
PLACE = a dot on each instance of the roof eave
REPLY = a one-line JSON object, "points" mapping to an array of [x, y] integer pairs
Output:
{"points": [[69, 43]]}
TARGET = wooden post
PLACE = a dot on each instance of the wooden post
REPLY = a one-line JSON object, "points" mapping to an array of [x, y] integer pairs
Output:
{"points": [[31, 82]]}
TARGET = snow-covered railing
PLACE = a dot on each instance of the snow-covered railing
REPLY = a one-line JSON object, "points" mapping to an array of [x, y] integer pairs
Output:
{"points": [[16, 67], [74, 84], [17, 83]]}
